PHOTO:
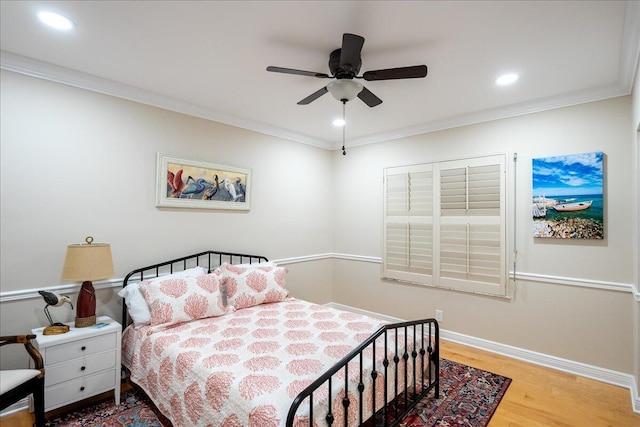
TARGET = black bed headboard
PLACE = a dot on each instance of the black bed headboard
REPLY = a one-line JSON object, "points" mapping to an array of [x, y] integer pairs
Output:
{"points": [[208, 259]]}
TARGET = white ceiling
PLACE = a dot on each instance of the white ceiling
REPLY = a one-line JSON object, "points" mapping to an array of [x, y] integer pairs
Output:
{"points": [[208, 58]]}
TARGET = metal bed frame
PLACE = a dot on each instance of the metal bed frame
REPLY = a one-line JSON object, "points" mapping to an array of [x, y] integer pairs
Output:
{"points": [[404, 387], [207, 259]]}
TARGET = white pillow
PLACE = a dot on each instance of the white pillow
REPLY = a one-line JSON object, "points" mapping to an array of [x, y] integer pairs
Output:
{"points": [[137, 305]]}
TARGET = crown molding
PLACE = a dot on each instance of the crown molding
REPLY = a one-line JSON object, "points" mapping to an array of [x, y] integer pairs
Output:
{"points": [[629, 57], [535, 106], [630, 51], [31, 67]]}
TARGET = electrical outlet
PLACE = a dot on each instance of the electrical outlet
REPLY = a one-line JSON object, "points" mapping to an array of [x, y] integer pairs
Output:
{"points": [[439, 315]]}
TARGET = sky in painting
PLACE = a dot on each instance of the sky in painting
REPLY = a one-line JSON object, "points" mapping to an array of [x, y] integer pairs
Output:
{"points": [[576, 174]]}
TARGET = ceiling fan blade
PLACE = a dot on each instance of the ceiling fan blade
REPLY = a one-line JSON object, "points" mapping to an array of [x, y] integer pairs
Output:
{"points": [[315, 95], [414, 72], [297, 72], [369, 98], [350, 53]]}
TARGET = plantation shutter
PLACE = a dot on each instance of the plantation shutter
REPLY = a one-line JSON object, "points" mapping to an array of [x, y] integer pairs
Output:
{"points": [[408, 225], [445, 224], [472, 225]]}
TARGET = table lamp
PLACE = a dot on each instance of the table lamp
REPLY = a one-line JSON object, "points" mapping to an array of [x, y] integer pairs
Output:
{"points": [[85, 263]]}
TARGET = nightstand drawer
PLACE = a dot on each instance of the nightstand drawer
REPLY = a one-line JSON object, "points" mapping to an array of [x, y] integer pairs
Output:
{"points": [[82, 388], [84, 347], [82, 366]]}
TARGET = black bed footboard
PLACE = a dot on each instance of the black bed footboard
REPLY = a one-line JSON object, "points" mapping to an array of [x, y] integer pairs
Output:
{"points": [[393, 369]]}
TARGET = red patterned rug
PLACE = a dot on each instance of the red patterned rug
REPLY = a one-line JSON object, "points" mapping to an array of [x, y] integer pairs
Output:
{"points": [[468, 398], [135, 410]]}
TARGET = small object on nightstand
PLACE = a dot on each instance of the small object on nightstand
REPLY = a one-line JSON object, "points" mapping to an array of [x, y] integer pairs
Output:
{"points": [[55, 330], [54, 300]]}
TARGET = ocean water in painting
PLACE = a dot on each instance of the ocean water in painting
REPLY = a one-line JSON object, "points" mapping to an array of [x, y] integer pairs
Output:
{"points": [[595, 212]]}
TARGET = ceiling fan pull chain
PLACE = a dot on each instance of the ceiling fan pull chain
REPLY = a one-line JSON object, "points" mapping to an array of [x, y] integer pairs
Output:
{"points": [[344, 121]]}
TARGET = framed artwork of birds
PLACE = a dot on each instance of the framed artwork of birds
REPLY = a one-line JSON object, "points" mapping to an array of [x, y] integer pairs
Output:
{"points": [[195, 184]]}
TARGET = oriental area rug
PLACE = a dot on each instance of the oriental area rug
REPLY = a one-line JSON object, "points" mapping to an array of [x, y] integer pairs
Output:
{"points": [[468, 398]]}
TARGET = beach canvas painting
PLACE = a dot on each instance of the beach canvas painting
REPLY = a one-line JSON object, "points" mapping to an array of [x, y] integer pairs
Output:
{"points": [[568, 196]]}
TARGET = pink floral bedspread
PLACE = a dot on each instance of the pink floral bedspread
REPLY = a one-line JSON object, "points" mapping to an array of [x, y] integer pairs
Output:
{"points": [[246, 367]]}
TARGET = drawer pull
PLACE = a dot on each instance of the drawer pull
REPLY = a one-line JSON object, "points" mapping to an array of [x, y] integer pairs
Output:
{"points": [[83, 348], [83, 368], [82, 388]]}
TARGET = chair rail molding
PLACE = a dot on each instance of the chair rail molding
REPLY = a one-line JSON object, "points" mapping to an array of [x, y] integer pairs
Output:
{"points": [[518, 275]]}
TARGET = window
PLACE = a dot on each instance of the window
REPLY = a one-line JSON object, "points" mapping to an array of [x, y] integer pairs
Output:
{"points": [[445, 224]]}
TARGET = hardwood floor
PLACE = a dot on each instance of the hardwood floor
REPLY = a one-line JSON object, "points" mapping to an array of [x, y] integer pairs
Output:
{"points": [[540, 396], [537, 396]]}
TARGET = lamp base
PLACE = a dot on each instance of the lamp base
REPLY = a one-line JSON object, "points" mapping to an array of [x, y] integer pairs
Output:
{"points": [[55, 330], [83, 322]]}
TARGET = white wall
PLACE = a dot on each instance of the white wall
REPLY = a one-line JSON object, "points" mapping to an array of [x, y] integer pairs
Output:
{"points": [[77, 163], [635, 141], [592, 326]]}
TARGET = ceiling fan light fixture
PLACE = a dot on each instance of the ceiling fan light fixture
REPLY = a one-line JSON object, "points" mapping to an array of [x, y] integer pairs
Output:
{"points": [[344, 89]]}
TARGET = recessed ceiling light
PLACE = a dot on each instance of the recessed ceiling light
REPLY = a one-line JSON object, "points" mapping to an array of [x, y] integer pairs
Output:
{"points": [[56, 20], [506, 79], [339, 122]]}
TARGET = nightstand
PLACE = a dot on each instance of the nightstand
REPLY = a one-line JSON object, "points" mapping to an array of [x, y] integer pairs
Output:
{"points": [[80, 363]]}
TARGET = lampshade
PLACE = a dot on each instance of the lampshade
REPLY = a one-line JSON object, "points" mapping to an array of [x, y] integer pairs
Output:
{"points": [[344, 89], [85, 263], [91, 261]]}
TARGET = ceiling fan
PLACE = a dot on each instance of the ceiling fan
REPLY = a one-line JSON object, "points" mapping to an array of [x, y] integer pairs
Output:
{"points": [[344, 64]]}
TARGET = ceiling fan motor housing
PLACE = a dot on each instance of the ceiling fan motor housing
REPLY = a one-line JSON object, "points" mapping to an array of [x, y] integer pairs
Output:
{"points": [[347, 71]]}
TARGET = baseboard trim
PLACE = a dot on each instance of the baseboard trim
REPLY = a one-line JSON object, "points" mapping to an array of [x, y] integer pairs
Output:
{"points": [[635, 397], [20, 405], [608, 376], [365, 312]]}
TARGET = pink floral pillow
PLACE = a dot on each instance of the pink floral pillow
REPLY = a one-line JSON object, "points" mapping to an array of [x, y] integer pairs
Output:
{"points": [[249, 286], [178, 300]]}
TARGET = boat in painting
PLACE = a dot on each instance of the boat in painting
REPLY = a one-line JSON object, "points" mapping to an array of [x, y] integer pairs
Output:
{"points": [[570, 207]]}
